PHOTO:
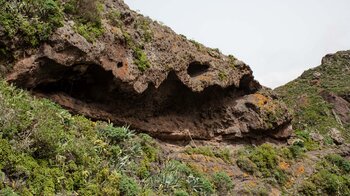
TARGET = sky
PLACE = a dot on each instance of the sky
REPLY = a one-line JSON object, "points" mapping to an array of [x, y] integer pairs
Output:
{"points": [[278, 39]]}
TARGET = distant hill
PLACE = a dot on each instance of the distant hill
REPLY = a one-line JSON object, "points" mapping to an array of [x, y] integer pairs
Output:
{"points": [[320, 96]]}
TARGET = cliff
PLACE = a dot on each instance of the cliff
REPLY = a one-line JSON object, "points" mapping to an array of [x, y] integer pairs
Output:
{"points": [[108, 62]]}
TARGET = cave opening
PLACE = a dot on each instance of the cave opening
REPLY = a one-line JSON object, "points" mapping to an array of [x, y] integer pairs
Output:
{"points": [[90, 90], [93, 84]]}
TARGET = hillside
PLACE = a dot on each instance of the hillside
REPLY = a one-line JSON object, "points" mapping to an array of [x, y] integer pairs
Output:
{"points": [[47, 151], [320, 97]]}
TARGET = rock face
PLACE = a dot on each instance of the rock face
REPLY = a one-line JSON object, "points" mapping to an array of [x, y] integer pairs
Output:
{"points": [[168, 86]]}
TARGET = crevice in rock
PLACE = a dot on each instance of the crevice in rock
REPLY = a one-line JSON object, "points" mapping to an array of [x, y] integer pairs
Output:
{"points": [[248, 84], [196, 68]]}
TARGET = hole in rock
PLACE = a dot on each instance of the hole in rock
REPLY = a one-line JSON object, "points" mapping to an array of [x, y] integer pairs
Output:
{"points": [[120, 64], [196, 69]]}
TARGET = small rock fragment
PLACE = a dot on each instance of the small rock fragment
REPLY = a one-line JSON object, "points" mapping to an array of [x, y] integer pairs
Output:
{"points": [[335, 134]]}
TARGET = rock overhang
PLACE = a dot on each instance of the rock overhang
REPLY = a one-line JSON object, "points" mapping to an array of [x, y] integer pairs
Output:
{"points": [[188, 91]]}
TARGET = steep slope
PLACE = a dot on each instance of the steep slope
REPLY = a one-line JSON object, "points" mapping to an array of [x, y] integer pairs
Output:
{"points": [[108, 62], [321, 96]]}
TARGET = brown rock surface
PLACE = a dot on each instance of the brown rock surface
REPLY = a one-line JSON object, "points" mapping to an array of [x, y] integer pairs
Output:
{"points": [[189, 91]]}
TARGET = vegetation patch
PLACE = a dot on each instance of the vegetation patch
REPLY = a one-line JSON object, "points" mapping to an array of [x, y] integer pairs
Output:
{"points": [[223, 154], [263, 161], [87, 17], [30, 22], [141, 59], [58, 153], [331, 178]]}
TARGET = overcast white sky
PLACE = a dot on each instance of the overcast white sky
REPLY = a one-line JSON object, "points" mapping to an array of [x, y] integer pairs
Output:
{"points": [[279, 39]]}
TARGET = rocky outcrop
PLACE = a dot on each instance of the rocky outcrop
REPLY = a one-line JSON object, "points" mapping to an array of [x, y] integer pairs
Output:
{"points": [[164, 85]]}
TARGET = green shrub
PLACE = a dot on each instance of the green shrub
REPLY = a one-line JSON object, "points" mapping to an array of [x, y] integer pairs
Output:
{"points": [[265, 158], [128, 186], [89, 30], [204, 150], [263, 161], [141, 59], [297, 149], [181, 193], [340, 162], [143, 27], [247, 165], [7, 192], [115, 18], [116, 134], [222, 182], [222, 76], [176, 176]]}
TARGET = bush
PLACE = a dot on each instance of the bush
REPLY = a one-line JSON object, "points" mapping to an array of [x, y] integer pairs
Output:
{"points": [[263, 161], [89, 30], [297, 149], [116, 134], [128, 186], [265, 158], [247, 165], [181, 193], [340, 162], [222, 182], [7, 192], [141, 59]]}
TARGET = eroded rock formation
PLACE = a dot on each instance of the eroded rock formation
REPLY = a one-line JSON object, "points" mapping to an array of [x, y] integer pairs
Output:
{"points": [[185, 91]]}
